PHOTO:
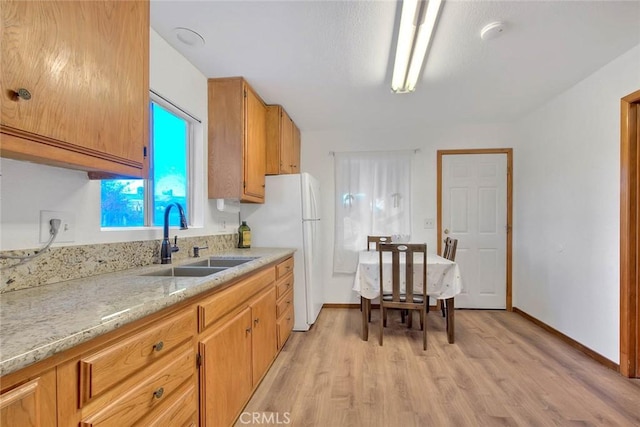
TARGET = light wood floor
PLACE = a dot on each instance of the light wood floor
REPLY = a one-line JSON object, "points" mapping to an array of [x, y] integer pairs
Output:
{"points": [[503, 370]]}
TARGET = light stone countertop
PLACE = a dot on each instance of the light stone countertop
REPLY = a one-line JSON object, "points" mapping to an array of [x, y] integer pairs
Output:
{"points": [[39, 322]]}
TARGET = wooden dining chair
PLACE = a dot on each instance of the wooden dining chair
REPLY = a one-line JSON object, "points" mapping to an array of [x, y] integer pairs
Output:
{"points": [[449, 252], [450, 246], [407, 298], [372, 244], [376, 240]]}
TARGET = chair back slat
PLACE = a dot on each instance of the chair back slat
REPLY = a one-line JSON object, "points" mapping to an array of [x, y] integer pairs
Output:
{"points": [[374, 241], [395, 273]]}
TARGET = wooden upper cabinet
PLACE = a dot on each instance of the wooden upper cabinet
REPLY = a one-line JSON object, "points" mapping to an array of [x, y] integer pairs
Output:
{"points": [[75, 84], [295, 151], [237, 141], [283, 142]]}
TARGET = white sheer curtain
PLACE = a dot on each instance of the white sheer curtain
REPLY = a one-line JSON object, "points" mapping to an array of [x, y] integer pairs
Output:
{"points": [[373, 196]]}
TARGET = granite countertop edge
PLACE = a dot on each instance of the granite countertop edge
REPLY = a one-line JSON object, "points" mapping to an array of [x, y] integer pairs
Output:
{"points": [[37, 323]]}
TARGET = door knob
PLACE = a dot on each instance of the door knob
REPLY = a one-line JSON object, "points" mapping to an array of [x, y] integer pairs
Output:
{"points": [[446, 231]]}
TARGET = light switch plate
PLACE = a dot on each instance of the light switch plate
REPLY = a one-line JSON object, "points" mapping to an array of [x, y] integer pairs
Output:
{"points": [[67, 230]]}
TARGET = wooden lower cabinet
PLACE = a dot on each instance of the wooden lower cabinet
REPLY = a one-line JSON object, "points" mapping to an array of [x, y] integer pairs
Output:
{"points": [[235, 357], [147, 374], [225, 374], [147, 399], [284, 302], [264, 346], [32, 404]]}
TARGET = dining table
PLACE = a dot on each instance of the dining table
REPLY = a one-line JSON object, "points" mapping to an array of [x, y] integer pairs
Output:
{"points": [[443, 283]]}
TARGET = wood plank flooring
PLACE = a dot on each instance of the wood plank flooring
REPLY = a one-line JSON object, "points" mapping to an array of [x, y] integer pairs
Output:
{"points": [[502, 371]]}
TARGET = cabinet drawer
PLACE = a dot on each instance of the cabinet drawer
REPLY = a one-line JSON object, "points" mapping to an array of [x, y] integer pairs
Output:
{"points": [[222, 303], [106, 368], [284, 304], [284, 268], [181, 412], [284, 326], [150, 394], [283, 286]]}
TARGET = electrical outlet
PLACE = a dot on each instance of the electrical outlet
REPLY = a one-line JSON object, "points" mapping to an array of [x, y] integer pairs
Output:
{"points": [[67, 230], [223, 225], [429, 223]]}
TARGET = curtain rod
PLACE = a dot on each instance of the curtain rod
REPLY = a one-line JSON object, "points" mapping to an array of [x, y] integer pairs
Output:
{"points": [[414, 150]]}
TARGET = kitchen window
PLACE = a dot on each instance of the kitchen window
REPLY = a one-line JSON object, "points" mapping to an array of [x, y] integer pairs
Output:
{"points": [[141, 202]]}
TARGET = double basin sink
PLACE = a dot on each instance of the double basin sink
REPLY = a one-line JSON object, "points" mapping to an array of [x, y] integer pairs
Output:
{"points": [[202, 268]]}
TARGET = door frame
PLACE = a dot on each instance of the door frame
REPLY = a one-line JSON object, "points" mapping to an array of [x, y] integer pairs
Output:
{"points": [[509, 153], [629, 235]]}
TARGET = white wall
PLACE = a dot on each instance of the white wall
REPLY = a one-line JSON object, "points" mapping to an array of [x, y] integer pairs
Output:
{"points": [[28, 188], [318, 162], [566, 208]]}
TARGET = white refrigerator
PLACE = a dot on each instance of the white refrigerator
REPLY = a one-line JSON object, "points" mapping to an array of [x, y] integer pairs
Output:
{"points": [[290, 218]]}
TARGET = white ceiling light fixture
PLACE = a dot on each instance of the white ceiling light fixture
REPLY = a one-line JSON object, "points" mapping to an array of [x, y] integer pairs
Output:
{"points": [[417, 22], [189, 37]]}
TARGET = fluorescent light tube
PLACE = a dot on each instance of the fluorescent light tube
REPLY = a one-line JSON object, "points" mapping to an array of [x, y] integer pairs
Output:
{"points": [[406, 34], [425, 31], [412, 46]]}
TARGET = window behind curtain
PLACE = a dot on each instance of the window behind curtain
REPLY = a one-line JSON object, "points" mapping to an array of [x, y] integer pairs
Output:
{"points": [[373, 195], [138, 202]]}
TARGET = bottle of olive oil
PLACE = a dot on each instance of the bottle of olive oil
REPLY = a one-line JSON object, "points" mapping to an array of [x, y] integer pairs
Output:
{"points": [[244, 235]]}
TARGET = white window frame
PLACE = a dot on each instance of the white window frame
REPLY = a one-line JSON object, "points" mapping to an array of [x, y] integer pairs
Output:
{"points": [[195, 150]]}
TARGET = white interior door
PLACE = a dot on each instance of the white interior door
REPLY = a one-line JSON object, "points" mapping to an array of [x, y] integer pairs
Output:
{"points": [[474, 211]]}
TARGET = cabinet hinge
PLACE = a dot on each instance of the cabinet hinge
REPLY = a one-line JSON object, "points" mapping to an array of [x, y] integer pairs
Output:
{"points": [[245, 93], [244, 184], [144, 151], [198, 360]]}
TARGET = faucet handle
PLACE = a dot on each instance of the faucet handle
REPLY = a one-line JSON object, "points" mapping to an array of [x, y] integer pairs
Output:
{"points": [[175, 247]]}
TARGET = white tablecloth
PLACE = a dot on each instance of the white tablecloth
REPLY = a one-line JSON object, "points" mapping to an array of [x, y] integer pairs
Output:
{"points": [[443, 276]]}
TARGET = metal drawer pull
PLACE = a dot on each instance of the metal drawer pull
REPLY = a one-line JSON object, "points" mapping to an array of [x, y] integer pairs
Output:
{"points": [[158, 346], [158, 393]]}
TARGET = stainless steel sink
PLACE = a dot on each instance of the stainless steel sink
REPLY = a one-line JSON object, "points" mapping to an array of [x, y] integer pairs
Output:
{"points": [[224, 262], [186, 271]]}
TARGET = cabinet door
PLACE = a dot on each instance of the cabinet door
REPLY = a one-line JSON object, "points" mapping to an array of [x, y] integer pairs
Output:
{"points": [[31, 404], [225, 373], [254, 147], [85, 65], [263, 311], [286, 143], [295, 150]]}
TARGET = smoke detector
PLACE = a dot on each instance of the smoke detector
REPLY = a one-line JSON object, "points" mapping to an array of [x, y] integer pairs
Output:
{"points": [[491, 31]]}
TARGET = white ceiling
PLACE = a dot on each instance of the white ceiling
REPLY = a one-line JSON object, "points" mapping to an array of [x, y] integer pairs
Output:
{"points": [[329, 62]]}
